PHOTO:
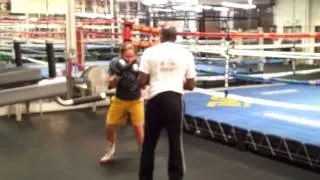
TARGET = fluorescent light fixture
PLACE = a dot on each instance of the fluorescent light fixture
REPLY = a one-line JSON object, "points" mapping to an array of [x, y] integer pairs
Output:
{"points": [[162, 10], [154, 2], [187, 2], [206, 7], [222, 9], [238, 5], [197, 8], [184, 8]]}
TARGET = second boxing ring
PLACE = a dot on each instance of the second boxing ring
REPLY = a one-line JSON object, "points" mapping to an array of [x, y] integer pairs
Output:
{"points": [[278, 120], [278, 116]]}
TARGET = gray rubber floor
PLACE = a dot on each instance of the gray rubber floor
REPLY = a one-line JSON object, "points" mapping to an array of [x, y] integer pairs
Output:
{"points": [[68, 145]]}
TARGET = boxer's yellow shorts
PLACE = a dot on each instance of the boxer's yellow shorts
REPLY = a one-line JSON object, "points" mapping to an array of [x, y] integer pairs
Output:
{"points": [[120, 109]]}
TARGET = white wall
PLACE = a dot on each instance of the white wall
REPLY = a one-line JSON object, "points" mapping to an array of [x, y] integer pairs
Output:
{"points": [[315, 19], [306, 14], [53, 7], [287, 13], [38, 6]]}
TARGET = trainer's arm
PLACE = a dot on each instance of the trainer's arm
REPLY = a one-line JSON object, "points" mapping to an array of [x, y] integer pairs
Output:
{"points": [[143, 80], [144, 71], [190, 82]]}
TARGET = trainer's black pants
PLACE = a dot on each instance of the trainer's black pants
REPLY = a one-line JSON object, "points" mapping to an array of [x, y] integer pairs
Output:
{"points": [[163, 111]]}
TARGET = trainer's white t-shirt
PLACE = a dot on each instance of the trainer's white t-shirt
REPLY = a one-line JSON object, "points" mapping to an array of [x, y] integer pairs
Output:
{"points": [[168, 65]]}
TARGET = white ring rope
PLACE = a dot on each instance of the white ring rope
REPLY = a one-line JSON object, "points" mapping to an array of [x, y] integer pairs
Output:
{"points": [[279, 46], [28, 59], [259, 53], [258, 46], [281, 74]]}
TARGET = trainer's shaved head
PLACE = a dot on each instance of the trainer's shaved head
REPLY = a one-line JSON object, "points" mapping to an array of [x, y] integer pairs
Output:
{"points": [[168, 34]]}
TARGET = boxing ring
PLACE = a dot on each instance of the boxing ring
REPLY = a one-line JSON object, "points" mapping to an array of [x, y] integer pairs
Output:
{"points": [[277, 117], [280, 120]]}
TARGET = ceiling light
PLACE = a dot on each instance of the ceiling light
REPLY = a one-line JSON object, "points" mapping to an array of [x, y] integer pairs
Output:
{"points": [[238, 5], [222, 9], [206, 7], [154, 2], [187, 2], [184, 8], [161, 10], [200, 8], [197, 8]]}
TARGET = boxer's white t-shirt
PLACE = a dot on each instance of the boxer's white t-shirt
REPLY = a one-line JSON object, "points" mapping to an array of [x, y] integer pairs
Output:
{"points": [[168, 65]]}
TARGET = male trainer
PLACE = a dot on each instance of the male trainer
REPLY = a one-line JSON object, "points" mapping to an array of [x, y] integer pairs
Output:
{"points": [[123, 75], [168, 69]]}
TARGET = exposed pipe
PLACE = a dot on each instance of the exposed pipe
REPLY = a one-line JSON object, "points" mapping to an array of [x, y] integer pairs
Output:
{"points": [[83, 100]]}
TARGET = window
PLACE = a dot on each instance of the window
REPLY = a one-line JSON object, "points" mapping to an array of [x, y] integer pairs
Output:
{"points": [[292, 29]]}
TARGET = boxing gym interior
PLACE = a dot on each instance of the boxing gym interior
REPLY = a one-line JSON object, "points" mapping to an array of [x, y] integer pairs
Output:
{"points": [[254, 113]]}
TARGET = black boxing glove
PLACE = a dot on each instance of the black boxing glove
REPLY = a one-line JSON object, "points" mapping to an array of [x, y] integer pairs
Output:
{"points": [[122, 64], [135, 67], [117, 67]]}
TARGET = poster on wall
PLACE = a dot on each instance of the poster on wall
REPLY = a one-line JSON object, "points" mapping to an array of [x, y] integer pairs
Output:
{"points": [[5, 7], [102, 6], [89, 6], [79, 5]]}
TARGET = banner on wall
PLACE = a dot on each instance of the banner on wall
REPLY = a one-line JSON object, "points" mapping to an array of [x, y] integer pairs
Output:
{"points": [[5, 7]]}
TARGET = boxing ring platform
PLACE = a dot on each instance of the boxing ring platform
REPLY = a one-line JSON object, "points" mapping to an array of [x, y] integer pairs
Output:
{"points": [[277, 120]]}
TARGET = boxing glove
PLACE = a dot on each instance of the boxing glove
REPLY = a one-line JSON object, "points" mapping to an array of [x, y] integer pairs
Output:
{"points": [[135, 67], [118, 67], [122, 65]]}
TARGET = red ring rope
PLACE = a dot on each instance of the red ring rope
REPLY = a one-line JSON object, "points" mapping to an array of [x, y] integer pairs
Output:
{"points": [[252, 35]]}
